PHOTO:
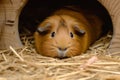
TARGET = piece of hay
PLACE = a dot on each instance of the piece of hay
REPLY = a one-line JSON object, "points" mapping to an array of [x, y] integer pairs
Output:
{"points": [[16, 53]]}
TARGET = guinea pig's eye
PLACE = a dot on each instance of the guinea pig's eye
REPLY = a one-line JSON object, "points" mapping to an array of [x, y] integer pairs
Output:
{"points": [[71, 34], [53, 34]]}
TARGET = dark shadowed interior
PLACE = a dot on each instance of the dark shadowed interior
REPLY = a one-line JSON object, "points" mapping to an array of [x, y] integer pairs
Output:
{"points": [[36, 11]]}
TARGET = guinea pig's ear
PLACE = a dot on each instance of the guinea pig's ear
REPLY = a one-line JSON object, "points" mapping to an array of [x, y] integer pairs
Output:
{"points": [[44, 29], [78, 31]]}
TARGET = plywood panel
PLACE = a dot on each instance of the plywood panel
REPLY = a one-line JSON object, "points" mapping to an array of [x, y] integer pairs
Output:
{"points": [[9, 14], [113, 7]]}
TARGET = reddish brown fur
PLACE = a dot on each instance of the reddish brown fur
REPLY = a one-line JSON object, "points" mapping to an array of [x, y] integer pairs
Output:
{"points": [[47, 46]]}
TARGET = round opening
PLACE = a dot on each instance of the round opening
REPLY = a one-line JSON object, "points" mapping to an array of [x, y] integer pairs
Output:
{"points": [[36, 11]]}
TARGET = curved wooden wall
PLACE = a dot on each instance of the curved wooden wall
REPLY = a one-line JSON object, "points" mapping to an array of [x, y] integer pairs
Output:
{"points": [[113, 7], [9, 34], [9, 14]]}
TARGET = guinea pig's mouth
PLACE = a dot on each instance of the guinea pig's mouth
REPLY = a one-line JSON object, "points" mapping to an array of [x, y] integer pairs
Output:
{"points": [[61, 52], [62, 57]]}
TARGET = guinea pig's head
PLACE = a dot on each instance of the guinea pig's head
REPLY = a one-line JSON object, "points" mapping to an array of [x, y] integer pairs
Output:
{"points": [[59, 36]]}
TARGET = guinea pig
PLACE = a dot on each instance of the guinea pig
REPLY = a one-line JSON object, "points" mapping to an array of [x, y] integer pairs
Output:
{"points": [[67, 33]]}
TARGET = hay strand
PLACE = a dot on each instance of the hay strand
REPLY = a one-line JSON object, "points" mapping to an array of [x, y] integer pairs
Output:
{"points": [[11, 48], [105, 71], [4, 57]]}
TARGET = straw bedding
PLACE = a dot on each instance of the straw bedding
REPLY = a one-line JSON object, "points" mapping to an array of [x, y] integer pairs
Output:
{"points": [[25, 64]]}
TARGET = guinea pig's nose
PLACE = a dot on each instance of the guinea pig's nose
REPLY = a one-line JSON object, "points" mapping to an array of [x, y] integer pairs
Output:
{"points": [[62, 49], [62, 52]]}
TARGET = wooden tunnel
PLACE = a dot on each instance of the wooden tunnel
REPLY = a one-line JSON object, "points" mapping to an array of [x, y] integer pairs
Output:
{"points": [[9, 17]]}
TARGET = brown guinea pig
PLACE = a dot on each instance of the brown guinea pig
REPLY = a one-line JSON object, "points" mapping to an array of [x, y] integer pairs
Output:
{"points": [[67, 33]]}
